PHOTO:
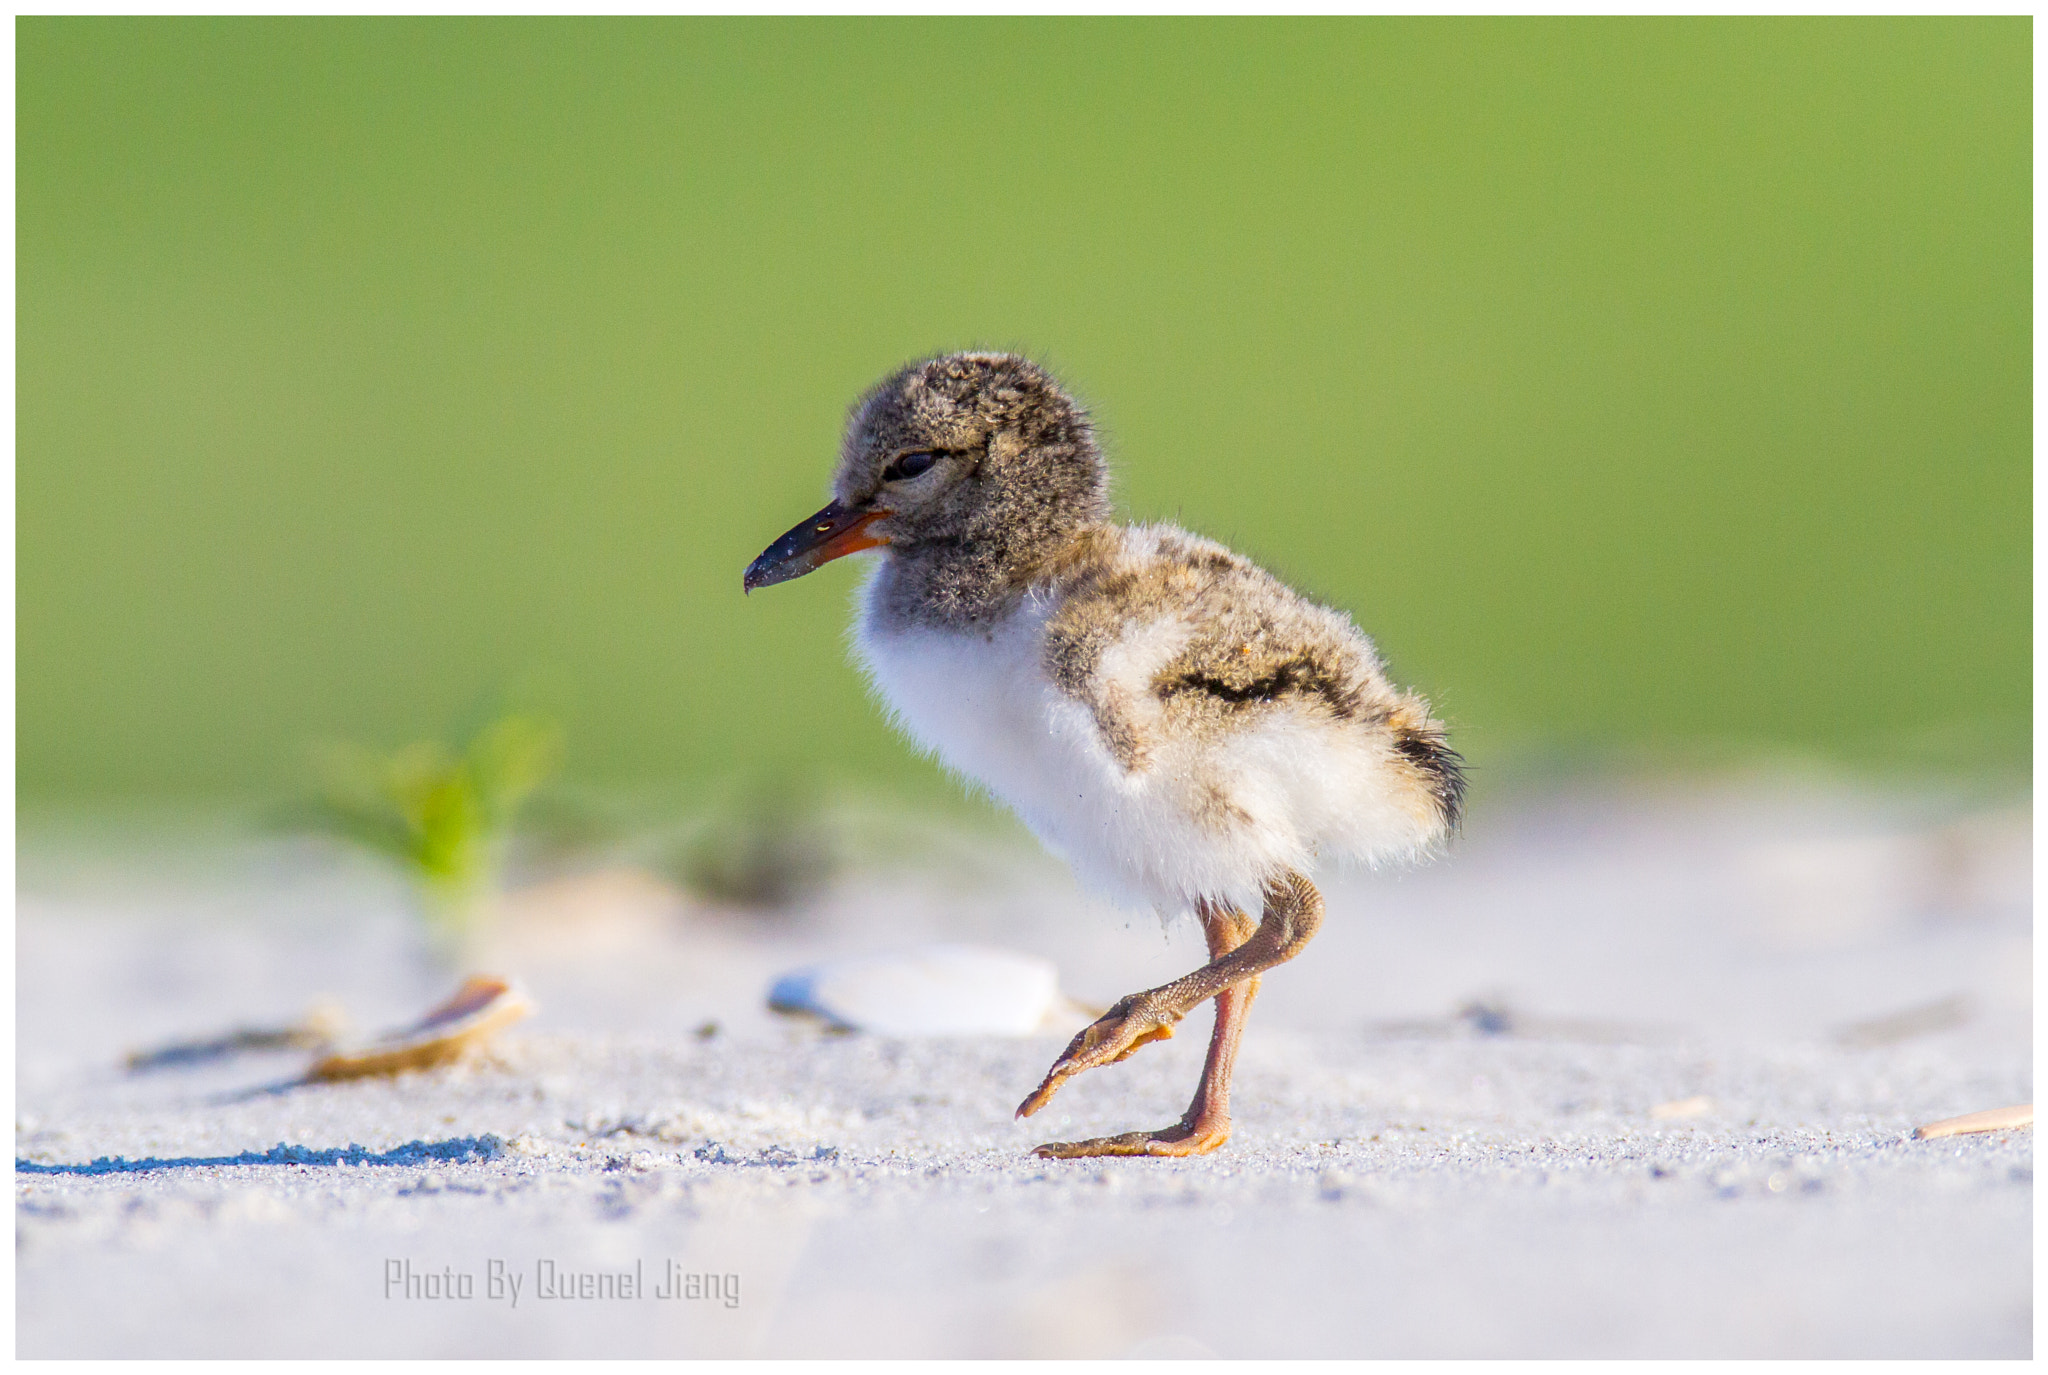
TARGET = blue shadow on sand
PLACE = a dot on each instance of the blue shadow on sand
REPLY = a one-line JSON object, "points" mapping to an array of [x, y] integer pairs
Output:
{"points": [[461, 1150]]}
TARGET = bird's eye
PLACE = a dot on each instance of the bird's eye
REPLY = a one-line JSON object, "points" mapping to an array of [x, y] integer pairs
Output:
{"points": [[908, 466]]}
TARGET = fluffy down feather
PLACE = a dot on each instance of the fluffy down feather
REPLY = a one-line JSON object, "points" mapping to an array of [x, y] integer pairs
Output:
{"points": [[1214, 731]]}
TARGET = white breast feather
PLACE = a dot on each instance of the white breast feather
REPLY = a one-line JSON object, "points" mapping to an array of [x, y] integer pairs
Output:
{"points": [[1150, 838]]}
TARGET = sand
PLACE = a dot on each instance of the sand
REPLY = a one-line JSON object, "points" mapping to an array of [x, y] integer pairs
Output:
{"points": [[1632, 1073]]}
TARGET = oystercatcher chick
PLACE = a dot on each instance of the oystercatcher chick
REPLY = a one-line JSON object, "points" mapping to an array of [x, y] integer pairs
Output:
{"points": [[1184, 729]]}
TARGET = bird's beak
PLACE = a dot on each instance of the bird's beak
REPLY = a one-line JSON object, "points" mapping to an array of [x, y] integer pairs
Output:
{"points": [[833, 532]]}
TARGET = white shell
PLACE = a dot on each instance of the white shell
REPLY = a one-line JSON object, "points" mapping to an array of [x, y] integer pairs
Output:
{"points": [[933, 990]]}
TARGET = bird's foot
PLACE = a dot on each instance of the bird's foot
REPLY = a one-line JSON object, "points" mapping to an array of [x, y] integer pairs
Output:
{"points": [[1114, 1036], [1182, 1138]]}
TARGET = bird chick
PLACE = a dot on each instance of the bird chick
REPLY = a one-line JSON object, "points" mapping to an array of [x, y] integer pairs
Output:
{"points": [[1189, 733]]}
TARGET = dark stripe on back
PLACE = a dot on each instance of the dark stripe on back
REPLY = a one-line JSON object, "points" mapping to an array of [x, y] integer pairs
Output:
{"points": [[1298, 677]]}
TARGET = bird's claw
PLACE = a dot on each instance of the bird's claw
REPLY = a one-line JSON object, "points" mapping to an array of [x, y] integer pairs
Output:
{"points": [[1181, 1139], [1116, 1035]]}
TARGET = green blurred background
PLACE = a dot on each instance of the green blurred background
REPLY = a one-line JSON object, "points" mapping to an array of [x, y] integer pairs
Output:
{"points": [[1642, 386]]}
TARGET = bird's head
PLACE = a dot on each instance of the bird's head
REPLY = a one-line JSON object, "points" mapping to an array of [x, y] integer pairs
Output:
{"points": [[960, 450]]}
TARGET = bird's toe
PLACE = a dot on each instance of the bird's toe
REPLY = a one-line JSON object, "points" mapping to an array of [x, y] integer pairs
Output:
{"points": [[1116, 1035], [1181, 1139]]}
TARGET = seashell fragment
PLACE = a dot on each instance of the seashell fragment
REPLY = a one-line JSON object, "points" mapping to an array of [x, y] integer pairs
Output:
{"points": [[933, 990], [482, 1007], [1924, 1019], [1990, 1120], [1699, 1105], [320, 1028]]}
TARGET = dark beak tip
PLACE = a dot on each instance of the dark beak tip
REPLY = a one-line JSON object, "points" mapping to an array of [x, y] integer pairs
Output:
{"points": [[808, 545]]}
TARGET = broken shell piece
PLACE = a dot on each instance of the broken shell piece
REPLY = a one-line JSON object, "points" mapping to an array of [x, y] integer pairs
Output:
{"points": [[320, 1028], [1924, 1019], [933, 990], [482, 1007], [1699, 1105], [1990, 1120]]}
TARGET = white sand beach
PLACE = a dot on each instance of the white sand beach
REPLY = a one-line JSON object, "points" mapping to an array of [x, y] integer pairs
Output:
{"points": [[1632, 1072]]}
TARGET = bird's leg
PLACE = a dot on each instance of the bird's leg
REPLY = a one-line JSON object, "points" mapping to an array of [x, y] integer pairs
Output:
{"points": [[1206, 1123], [1239, 953]]}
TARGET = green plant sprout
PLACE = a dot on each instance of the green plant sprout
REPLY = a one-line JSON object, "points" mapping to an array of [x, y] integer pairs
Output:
{"points": [[442, 815]]}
